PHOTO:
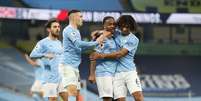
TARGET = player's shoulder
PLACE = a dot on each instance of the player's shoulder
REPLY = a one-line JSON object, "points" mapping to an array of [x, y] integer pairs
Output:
{"points": [[68, 29], [42, 41], [59, 41], [132, 39], [116, 32]]}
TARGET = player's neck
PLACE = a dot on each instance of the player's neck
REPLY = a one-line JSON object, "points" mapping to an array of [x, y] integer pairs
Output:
{"points": [[50, 36], [74, 25], [109, 35]]}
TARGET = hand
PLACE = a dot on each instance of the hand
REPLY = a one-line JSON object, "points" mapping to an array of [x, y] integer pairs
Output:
{"points": [[30, 61], [100, 39], [49, 55], [92, 79], [26, 56], [95, 56], [94, 34]]}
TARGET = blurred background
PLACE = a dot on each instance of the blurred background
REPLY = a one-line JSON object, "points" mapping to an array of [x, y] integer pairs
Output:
{"points": [[168, 58]]}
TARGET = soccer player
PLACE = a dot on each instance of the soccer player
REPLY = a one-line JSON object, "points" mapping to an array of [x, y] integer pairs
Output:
{"points": [[73, 45], [49, 51], [126, 75], [105, 68]]}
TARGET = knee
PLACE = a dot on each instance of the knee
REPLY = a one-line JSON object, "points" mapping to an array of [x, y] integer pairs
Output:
{"points": [[72, 90], [52, 98], [64, 96], [139, 99], [138, 96]]}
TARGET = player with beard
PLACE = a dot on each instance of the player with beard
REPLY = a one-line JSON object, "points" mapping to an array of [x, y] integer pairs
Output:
{"points": [[49, 50]]}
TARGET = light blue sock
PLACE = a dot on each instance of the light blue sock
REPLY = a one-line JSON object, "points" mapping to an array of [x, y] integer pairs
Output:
{"points": [[45, 99], [37, 97], [71, 98]]}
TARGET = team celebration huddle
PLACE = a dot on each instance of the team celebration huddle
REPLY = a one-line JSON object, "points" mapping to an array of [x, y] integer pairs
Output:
{"points": [[112, 66]]}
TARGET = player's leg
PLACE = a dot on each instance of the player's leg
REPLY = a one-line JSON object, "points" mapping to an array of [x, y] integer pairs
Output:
{"points": [[37, 91], [138, 96], [79, 96], [69, 79], [64, 96], [62, 92], [134, 85], [105, 87], [50, 91], [120, 89]]}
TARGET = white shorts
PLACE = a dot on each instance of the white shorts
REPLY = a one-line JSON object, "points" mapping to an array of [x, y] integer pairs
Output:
{"points": [[69, 76], [105, 86], [126, 80], [50, 90], [37, 86], [61, 88]]}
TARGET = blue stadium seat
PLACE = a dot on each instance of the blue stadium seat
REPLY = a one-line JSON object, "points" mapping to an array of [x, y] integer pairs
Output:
{"points": [[86, 5]]}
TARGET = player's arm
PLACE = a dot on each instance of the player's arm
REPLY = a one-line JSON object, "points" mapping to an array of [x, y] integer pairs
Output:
{"points": [[74, 38], [92, 70], [95, 34], [128, 46], [37, 52], [114, 55], [100, 35], [84, 44], [79, 43], [30, 61]]}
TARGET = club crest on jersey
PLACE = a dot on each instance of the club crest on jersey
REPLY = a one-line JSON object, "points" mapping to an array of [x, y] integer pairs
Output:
{"points": [[38, 46], [73, 34]]}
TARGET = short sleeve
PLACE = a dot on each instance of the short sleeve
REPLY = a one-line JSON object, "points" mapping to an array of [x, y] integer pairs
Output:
{"points": [[130, 44]]}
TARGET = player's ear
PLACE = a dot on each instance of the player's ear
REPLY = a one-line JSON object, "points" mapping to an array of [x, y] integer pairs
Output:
{"points": [[48, 30]]}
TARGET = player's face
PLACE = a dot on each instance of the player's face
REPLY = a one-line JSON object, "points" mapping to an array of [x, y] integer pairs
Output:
{"points": [[55, 29], [125, 29], [79, 19], [109, 25]]}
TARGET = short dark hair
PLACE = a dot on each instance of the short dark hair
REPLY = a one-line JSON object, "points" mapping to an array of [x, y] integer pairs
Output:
{"points": [[73, 11], [129, 21], [106, 18], [50, 21]]}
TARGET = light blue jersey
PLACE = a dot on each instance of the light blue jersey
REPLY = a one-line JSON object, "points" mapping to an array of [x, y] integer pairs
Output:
{"points": [[72, 45], [106, 67], [38, 70], [43, 47], [129, 42]]}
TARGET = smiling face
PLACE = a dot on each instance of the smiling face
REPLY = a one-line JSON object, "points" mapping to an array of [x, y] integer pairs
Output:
{"points": [[127, 24], [125, 29], [109, 25]]}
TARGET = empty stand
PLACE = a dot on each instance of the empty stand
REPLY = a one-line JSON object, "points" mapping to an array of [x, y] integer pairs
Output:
{"points": [[88, 5]]}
